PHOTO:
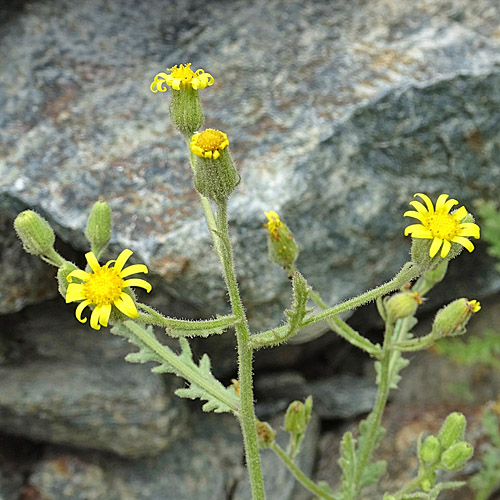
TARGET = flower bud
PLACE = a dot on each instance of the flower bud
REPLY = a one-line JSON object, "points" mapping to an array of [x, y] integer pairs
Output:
{"points": [[430, 450], [265, 435], [62, 277], [98, 231], [403, 304], [452, 430], [453, 318], [215, 175], [281, 246], [455, 457], [297, 416], [35, 233]]}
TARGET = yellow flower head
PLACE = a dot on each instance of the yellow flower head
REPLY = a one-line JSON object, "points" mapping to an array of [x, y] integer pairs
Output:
{"points": [[182, 76], [441, 226], [103, 287], [273, 223], [209, 143]]}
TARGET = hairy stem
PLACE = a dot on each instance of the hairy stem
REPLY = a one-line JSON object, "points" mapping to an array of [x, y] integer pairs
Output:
{"points": [[366, 453], [407, 273], [298, 474], [344, 330], [245, 355]]}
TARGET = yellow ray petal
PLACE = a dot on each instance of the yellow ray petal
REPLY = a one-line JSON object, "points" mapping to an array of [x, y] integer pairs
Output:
{"points": [[419, 207], [416, 215], [469, 229], [78, 273], [449, 205], [441, 201], [464, 242], [126, 305], [93, 263], [460, 213], [122, 258], [138, 282], [427, 200], [104, 316], [94, 318], [445, 249], [74, 292], [418, 231], [79, 310], [435, 246], [134, 269]]}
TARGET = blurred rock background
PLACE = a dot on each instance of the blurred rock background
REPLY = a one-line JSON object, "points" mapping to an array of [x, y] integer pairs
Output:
{"points": [[337, 113]]}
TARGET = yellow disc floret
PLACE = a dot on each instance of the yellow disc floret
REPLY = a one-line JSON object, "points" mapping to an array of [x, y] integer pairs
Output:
{"points": [[273, 223], [441, 226], [104, 287], [209, 143], [181, 76]]}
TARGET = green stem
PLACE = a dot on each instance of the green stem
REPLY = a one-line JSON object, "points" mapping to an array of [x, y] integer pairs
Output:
{"points": [[415, 483], [155, 318], [375, 417], [53, 258], [246, 414], [345, 331], [298, 474], [181, 369], [407, 273]]}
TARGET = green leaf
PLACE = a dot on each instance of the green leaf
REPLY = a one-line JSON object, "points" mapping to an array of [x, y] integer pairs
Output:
{"points": [[348, 465], [373, 472], [433, 494], [203, 385], [295, 316]]}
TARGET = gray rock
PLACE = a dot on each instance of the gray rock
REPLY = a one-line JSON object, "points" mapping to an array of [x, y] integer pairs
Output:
{"points": [[337, 113], [199, 466], [115, 406], [278, 481], [343, 396]]}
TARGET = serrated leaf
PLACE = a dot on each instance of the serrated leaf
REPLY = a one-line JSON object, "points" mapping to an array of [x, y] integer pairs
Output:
{"points": [[295, 315], [348, 465], [397, 364], [203, 385]]}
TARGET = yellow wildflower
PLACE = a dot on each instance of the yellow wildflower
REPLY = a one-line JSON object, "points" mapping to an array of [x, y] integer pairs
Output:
{"points": [[181, 76], [209, 143], [441, 226], [103, 287], [474, 305]]}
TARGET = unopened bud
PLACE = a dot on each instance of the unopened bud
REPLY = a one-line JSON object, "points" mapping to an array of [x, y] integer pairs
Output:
{"points": [[98, 231], [215, 175], [455, 457], [35, 233], [452, 430], [430, 450], [297, 416], [265, 435], [403, 304], [281, 246], [427, 483], [453, 318]]}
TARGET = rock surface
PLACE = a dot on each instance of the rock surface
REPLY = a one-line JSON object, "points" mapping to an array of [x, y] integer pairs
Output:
{"points": [[200, 466], [70, 385], [337, 113]]}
